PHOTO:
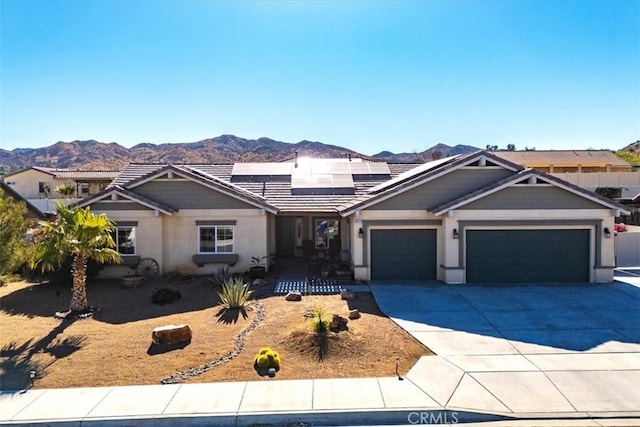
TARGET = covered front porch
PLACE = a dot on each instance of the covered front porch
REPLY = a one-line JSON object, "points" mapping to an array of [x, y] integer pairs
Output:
{"points": [[314, 246]]}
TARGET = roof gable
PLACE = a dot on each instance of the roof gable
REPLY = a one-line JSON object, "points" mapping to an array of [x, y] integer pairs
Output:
{"points": [[425, 173], [193, 174], [532, 178], [118, 193]]}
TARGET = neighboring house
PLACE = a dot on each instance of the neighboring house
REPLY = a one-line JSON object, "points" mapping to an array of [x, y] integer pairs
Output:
{"points": [[594, 170], [561, 161], [473, 218], [32, 211], [40, 182]]}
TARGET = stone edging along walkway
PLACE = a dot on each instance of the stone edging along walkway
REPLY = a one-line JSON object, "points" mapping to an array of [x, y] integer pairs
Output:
{"points": [[238, 344]]}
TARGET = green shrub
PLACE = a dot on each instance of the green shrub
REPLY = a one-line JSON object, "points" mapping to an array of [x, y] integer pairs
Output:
{"points": [[235, 294], [14, 252]]}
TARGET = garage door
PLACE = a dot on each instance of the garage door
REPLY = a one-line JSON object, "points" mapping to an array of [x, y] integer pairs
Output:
{"points": [[527, 255], [403, 254]]}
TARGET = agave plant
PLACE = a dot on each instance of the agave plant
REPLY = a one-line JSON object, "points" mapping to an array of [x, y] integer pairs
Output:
{"points": [[220, 276], [235, 294]]}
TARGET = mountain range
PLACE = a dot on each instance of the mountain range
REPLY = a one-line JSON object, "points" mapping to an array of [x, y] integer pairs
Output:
{"points": [[221, 149]]}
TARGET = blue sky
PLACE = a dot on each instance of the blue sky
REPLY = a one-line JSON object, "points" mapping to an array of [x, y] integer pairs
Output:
{"points": [[370, 76]]}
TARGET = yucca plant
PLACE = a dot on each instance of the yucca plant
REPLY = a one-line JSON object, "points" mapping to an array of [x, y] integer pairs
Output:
{"points": [[234, 294], [319, 320]]}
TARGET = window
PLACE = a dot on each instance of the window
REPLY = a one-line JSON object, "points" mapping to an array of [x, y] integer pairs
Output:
{"points": [[125, 238], [84, 188], [216, 239], [43, 187], [326, 230]]}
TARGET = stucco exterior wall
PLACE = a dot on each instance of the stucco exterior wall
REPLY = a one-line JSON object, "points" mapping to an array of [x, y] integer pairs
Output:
{"points": [[173, 240], [149, 241], [596, 220], [449, 255], [181, 238], [26, 183]]}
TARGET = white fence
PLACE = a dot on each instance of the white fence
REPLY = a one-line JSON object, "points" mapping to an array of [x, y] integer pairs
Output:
{"points": [[49, 205]]}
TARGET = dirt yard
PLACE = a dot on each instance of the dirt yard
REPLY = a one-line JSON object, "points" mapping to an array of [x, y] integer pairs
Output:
{"points": [[114, 346]]}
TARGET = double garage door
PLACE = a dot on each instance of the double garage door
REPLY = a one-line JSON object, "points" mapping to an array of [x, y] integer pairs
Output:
{"points": [[497, 256], [520, 256]]}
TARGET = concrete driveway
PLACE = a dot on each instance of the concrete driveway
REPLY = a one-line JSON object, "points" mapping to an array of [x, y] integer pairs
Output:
{"points": [[523, 348]]}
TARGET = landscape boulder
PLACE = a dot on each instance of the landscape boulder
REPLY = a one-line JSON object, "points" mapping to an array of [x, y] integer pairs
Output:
{"points": [[258, 282], [354, 314], [293, 296], [171, 334], [347, 294], [339, 323]]}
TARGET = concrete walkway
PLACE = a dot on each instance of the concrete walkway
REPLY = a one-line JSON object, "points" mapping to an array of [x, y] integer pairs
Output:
{"points": [[507, 356]]}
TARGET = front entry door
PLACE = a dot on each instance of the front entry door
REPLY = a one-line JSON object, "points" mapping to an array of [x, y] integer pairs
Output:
{"points": [[285, 236]]}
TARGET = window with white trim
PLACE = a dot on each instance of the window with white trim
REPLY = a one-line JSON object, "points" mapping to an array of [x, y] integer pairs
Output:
{"points": [[125, 238], [216, 239]]}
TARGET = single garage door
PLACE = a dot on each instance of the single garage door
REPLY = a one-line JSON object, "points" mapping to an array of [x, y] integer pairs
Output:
{"points": [[403, 254], [527, 256]]}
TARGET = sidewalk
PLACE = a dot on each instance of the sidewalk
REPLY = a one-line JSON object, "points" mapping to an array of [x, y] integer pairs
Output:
{"points": [[434, 390]]}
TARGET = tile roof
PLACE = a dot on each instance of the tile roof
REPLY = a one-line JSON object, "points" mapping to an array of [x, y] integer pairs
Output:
{"points": [[276, 192], [78, 174], [563, 157]]}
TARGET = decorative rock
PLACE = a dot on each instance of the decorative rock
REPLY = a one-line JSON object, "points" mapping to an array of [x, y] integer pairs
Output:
{"points": [[171, 334], [293, 296], [339, 323], [347, 294], [354, 314], [258, 282]]}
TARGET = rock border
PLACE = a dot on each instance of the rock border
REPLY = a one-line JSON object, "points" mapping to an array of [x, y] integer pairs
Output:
{"points": [[238, 345]]}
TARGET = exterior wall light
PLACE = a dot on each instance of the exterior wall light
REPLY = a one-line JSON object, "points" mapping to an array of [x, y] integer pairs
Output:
{"points": [[361, 233], [607, 233], [456, 236]]}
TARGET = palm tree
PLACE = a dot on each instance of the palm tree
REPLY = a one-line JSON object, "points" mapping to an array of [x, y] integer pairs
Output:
{"points": [[81, 234], [66, 190]]}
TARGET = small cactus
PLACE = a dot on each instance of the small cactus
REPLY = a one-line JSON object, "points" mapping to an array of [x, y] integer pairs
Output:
{"points": [[262, 361], [267, 362]]}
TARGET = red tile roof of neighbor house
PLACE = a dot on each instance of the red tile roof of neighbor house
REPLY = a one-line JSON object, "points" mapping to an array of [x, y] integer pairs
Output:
{"points": [[563, 157], [78, 174]]}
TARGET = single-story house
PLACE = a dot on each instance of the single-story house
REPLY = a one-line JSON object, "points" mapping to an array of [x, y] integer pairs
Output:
{"points": [[462, 219]]}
